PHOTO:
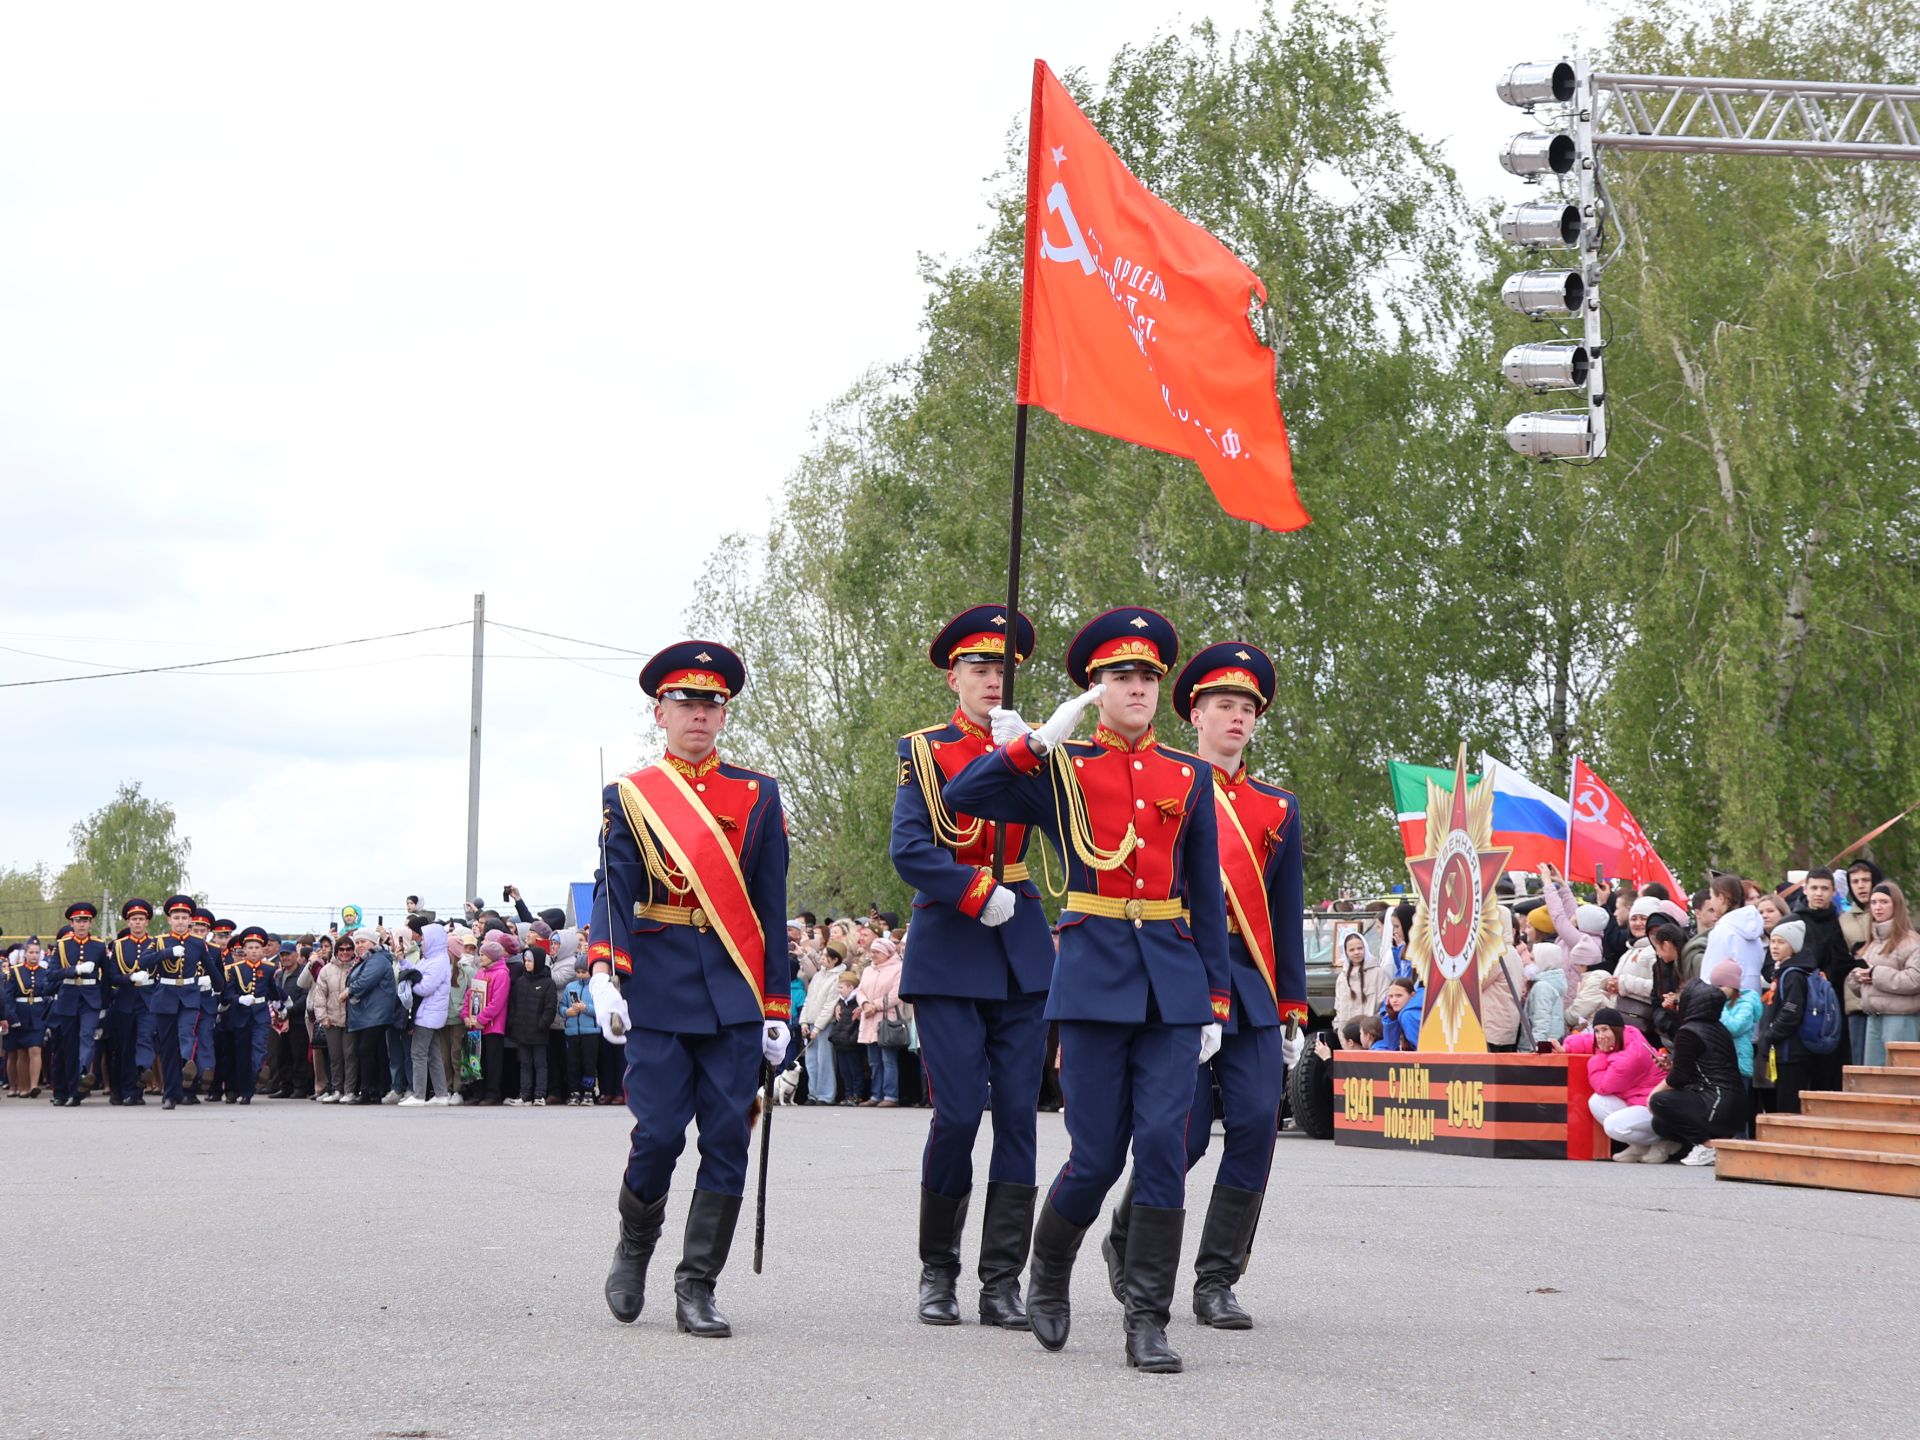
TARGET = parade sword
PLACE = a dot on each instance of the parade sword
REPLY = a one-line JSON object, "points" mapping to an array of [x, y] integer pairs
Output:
{"points": [[766, 1142], [606, 882]]}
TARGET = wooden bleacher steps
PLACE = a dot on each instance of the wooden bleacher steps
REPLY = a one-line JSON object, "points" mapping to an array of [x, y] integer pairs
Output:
{"points": [[1865, 1137]]}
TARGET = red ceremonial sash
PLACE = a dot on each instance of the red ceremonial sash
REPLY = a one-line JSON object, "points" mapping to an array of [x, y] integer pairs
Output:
{"points": [[700, 852], [1246, 887]]}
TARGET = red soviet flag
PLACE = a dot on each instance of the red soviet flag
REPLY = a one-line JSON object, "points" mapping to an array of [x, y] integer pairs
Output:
{"points": [[1603, 838], [1133, 320]]}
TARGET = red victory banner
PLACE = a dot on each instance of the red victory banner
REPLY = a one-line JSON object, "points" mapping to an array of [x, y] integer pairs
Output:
{"points": [[1134, 320], [1603, 838]]}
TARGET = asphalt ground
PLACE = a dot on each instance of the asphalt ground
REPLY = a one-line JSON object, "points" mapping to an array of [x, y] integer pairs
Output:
{"points": [[291, 1269]]}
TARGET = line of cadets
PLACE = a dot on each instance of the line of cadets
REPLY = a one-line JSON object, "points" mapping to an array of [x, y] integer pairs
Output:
{"points": [[196, 993], [1178, 967]]}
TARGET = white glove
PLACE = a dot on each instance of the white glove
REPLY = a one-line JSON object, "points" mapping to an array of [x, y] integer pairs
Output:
{"points": [[773, 1042], [1292, 1046], [179, 952], [85, 967], [1060, 724], [1007, 726], [249, 1000], [141, 977], [1210, 1041], [206, 984], [610, 1009], [999, 907]]}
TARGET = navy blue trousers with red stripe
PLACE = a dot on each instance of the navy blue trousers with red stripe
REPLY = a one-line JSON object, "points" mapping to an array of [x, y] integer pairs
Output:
{"points": [[977, 1053], [1125, 1083], [672, 1079], [1253, 1077]]}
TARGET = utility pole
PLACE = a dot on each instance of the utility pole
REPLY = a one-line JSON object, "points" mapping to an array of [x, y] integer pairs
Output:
{"points": [[473, 751]]}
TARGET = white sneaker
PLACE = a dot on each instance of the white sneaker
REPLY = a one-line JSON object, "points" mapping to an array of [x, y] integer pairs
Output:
{"points": [[455, 1100], [413, 1100], [1660, 1152], [332, 1097], [513, 1100], [1632, 1155], [1700, 1155], [440, 1100], [541, 1101], [389, 1099]]}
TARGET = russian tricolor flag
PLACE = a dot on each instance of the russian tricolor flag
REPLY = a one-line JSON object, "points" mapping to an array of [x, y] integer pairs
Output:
{"points": [[1527, 818]]}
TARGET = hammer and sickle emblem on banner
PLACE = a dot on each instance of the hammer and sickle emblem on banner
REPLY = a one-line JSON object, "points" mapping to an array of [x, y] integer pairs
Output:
{"points": [[1591, 806], [1076, 247], [1453, 904]]}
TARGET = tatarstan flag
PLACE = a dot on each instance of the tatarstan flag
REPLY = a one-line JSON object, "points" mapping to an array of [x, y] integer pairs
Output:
{"points": [[1134, 320], [1527, 819]]}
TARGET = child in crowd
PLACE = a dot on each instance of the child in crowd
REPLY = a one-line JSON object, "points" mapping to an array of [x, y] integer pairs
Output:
{"points": [[845, 1035], [583, 1040], [1547, 995], [1400, 1014], [1780, 1027], [1623, 1071], [1741, 1019], [530, 1009]]}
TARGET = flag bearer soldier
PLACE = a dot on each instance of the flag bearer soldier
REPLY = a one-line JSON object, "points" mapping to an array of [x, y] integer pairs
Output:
{"points": [[977, 974], [689, 911], [130, 971], [79, 960], [1222, 692], [251, 988], [183, 979], [1140, 988]]}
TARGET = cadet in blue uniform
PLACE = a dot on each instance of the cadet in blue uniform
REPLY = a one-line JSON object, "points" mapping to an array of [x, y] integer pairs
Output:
{"points": [[201, 1045], [130, 971], [250, 990], [182, 968], [1140, 987], [977, 974], [78, 959], [27, 988], [689, 915], [1222, 692]]}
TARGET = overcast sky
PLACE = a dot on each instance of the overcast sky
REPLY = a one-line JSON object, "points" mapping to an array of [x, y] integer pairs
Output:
{"points": [[317, 319]]}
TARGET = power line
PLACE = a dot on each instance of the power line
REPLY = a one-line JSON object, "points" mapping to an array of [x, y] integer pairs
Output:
{"points": [[574, 640], [202, 664]]}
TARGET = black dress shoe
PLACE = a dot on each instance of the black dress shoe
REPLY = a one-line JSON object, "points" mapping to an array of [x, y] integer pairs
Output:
{"points": [[244, 1100], [189, 1098], [231, 1100], [166, 1104]]}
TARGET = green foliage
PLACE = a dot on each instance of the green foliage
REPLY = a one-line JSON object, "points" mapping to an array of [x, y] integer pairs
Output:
{"points": [[1644, 612], [23, 901], [127, 847]]}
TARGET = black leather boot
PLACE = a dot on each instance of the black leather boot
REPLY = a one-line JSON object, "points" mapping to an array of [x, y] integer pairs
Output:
{"points": [[1005, 1238], [639, 1233], [710, 1222], [1056, 1241], [1224, 1239], [942, 1221], [1153, 1264], [1114, 1247]]}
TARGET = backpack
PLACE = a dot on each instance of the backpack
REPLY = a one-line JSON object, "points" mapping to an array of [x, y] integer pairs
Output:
{"points": [[1822, 1025]]}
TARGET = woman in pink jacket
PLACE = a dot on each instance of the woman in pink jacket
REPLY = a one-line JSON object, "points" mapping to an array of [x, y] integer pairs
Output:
{"points": [[880, 997], [487, 1013], [1623, 1071]]}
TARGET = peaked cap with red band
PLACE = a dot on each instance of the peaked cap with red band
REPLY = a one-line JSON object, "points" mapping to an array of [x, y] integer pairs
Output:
{"points": [[176, 903], [81, 907], [694, 670], [1128, 638], [253, 932], [981, 630], [136, 907], [1230, 665]]}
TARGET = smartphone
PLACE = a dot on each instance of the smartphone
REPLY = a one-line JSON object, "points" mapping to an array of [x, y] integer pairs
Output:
{"points": [[1543, 1047], [380, 920]]}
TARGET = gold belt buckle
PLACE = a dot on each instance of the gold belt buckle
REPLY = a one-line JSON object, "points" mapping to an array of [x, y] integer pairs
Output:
{"points": [[699, 918], [1133, 910]]}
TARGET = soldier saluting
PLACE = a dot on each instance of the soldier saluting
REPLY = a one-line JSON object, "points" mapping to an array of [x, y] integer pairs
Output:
{"points": [[1140, 988], [977, 974], [688, 912], [1222, 692]]}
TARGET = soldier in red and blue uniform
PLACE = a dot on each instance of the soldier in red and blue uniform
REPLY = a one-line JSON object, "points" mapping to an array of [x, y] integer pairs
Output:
{"points": [[130, 969], [181, 978], [78, 959], [251, 987], [1222, 692], [1140, 987], [976, 972], [689, 916], [200, 1046]]}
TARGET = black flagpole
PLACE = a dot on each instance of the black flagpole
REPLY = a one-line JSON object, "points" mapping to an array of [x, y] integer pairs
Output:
{"points": [[1013, 603]]}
